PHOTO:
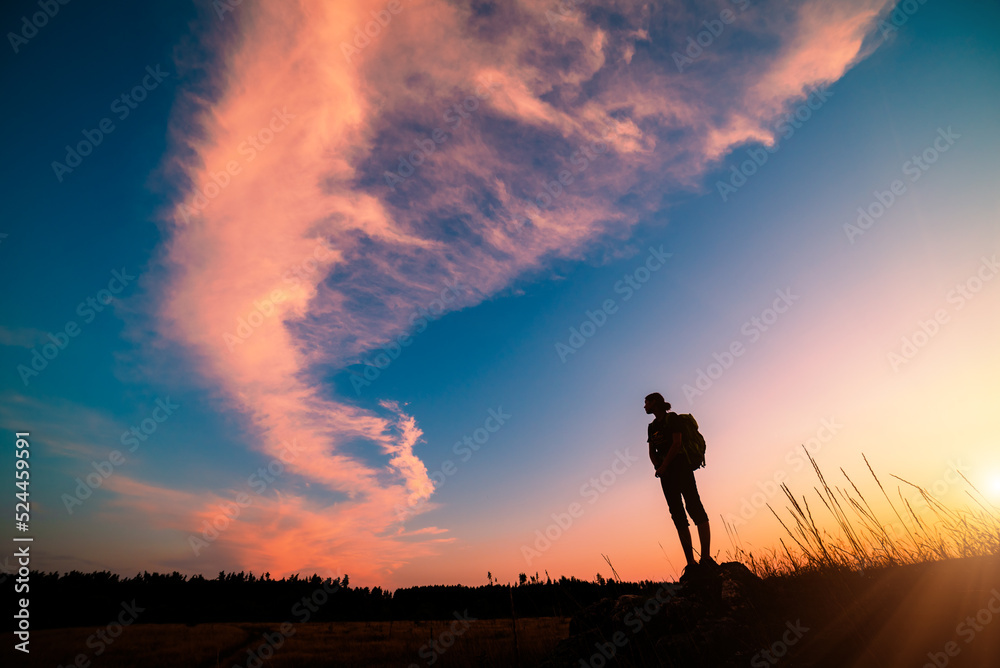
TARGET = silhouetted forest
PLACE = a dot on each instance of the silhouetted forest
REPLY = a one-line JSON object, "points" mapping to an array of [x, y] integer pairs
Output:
{"points": [[89, 599]]}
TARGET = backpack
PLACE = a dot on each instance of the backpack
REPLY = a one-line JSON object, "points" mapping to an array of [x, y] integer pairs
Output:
{"points": [[692, 441]]}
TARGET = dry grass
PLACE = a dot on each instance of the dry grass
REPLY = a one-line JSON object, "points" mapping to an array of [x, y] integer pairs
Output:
{"points": [[860, 540], [485, 643], [154, 645]]}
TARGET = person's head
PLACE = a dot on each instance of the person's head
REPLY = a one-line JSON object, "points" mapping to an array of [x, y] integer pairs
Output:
{"points": [[656, 404]]}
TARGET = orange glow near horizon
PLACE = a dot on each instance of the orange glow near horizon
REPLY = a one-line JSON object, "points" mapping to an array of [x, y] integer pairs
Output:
{"points": [[303, 242]]}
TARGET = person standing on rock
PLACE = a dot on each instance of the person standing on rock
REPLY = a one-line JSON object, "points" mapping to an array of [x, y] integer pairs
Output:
{"points": [[677, 480]]}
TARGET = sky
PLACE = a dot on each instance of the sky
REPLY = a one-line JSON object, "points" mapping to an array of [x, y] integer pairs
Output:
{"points": [[378, 288]]}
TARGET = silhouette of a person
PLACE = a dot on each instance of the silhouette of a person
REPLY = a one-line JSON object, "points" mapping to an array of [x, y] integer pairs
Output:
{"points": [[677, 480]]}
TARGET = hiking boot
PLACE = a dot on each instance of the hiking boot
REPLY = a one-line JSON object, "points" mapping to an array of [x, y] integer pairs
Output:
{"points": [[691, 571], [708, 563]]}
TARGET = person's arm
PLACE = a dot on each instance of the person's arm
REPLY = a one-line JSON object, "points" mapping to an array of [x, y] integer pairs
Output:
{"points": [[675, 449]]}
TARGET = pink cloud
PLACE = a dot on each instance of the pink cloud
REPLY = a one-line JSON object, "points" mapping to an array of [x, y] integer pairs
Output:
{"points": [[291, 155], [269, 531]]}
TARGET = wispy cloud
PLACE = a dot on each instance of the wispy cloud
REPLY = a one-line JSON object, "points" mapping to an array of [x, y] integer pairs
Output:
{"points": [[21, 337], [275, 531], [593, 99], [72, 432]]}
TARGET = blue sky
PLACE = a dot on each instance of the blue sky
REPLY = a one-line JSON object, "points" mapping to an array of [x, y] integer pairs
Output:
{"points": [[826, 357]]}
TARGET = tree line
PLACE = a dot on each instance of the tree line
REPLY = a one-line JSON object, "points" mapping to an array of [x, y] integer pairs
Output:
{"points": [[89, 599]]}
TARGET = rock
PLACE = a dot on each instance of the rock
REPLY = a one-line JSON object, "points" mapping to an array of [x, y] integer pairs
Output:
{"points": [[737, 572], [595, 616], [704, 622], [624, 605]]}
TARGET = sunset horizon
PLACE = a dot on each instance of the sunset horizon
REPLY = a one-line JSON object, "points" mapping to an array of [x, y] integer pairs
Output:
{"points": [[379, 288]]}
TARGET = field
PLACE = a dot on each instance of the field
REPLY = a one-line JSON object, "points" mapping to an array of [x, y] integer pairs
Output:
{"points": [[483, 643], [866, 591]]}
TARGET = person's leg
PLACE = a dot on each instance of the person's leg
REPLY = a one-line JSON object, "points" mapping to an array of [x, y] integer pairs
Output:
{"points": [[673, 495], [705, 538], [692, 501], [684, 532]]}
